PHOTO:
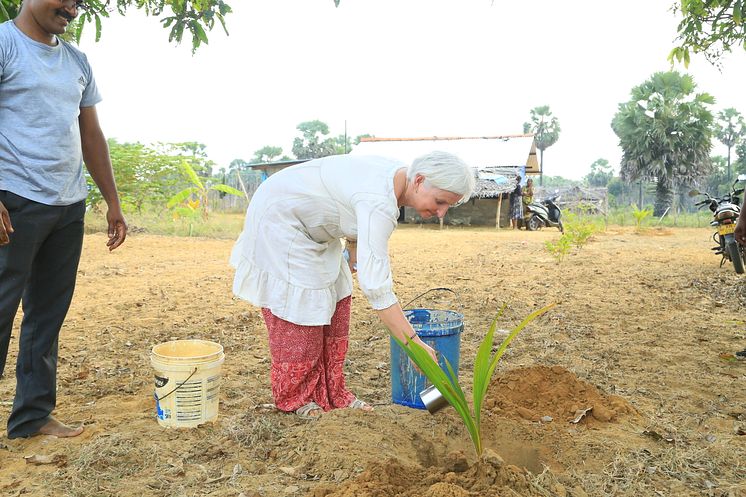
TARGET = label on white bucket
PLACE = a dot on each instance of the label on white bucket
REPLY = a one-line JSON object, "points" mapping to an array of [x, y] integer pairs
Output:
{"points": [[162, 414]]}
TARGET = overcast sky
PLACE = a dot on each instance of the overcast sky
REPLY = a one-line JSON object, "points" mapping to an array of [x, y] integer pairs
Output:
{"points": [[394, 68]]}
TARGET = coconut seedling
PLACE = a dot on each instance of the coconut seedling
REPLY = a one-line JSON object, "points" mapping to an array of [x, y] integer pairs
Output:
{"points": [[484, 367]]}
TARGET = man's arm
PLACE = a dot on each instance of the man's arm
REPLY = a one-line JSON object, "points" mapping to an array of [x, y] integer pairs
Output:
{"points": [[741, 226], [98, 162]]}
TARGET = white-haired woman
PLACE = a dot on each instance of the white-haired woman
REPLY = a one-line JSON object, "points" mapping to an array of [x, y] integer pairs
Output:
{"points": [[289, 261]]}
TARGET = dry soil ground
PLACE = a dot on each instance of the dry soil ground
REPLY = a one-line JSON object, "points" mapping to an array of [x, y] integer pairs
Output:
{"points": [[637, 335]]}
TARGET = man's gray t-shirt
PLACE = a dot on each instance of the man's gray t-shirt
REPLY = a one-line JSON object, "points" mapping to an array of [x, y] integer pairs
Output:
{"points": [[42, 89]]}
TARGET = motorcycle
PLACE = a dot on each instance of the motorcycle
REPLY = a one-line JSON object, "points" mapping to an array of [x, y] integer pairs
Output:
{"points": [[725, 211], [544, 213]]}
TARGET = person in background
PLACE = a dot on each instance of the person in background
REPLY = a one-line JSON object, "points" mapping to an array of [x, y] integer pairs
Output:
{"points": [[516, 204], [289, 261], [527, 196], [48, 126]]}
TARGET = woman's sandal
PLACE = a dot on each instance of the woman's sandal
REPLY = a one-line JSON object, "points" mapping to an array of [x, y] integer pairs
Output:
{"points": [[309, 411], [360, 404]]}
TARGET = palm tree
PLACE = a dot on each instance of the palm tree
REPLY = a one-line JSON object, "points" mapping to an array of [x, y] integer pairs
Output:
{"points": [[729, 129], [546, 129], [665, 132]]}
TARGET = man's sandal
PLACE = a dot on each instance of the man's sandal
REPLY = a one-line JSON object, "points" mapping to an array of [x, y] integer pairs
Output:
{"points": [[309, 411]]}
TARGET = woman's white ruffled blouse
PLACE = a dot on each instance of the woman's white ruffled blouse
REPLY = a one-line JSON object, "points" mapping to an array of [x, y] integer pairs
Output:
{"points": [[289, 255]]}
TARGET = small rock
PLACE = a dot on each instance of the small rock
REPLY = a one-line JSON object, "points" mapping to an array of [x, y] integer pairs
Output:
{"points": [[291, 489], [711, 438], [578, 492], [288, 470], [559, 490], [526, 414], [601, 413], [456, 462], [447, 489], [651, 469], [547, 419], [492, 458]]}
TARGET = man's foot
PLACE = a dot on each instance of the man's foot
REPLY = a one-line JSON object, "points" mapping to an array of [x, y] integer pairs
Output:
{"points": [[57, 429]]}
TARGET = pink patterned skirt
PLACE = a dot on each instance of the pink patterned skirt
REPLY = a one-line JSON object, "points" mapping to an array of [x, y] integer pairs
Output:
{"points": [[307, 361]]}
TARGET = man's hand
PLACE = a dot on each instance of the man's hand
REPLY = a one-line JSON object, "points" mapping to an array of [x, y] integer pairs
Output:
{"points": [[117, 228], [5, 227], [740, 233]]}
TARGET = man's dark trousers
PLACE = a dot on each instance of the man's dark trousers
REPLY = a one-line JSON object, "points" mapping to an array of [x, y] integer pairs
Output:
{"points": [[39, 266]]}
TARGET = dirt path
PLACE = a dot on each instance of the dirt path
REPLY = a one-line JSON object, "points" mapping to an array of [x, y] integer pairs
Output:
{"points": [[637, 334]]}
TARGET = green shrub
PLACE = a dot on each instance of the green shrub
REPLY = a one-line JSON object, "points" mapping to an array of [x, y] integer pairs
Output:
{"points": [[560, 248], [640, 215]]}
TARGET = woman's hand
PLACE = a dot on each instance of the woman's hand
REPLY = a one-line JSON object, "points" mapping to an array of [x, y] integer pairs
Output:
{"points": [[427, 348], [351, 247]]}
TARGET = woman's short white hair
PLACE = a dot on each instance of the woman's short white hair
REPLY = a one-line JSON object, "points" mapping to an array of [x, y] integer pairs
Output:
{"points": [[445, 171]]}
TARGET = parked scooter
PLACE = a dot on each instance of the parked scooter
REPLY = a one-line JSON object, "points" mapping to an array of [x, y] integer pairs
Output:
{"points": [[544, 213], [725, 211]]}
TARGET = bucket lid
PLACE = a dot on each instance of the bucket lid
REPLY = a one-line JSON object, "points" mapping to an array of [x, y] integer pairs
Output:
{"points": [[191, 350]]}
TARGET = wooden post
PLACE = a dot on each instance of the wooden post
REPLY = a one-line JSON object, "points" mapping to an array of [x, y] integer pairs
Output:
{"points": [[499, 207], [441, 222]]}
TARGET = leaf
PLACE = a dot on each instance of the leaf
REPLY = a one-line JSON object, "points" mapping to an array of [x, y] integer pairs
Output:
{"points": [[198, 31], [98, 26], [181, 196], [227, 189], [188, 170], [482, 366]]}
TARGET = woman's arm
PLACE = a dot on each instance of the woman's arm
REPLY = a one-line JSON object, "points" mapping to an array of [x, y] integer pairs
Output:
{"points": [[394, 319]]}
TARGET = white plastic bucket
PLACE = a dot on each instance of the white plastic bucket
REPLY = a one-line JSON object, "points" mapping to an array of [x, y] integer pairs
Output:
{"points": [[187, 382]]}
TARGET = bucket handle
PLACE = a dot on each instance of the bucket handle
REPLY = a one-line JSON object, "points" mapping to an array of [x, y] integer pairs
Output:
{"points": [[431, 290], [177, 387]]}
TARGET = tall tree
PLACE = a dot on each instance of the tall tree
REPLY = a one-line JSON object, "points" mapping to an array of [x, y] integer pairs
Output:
{"points": [[343, 144], [194, 154], [193, 16], [665, 132], [546, 130], [266, 154], [729, 129], [601, 173], [311, 144], [740, 164], [710, 27]]}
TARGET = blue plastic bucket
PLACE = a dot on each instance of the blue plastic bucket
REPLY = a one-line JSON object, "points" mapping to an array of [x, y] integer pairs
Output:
{"points": [[441, 330]]}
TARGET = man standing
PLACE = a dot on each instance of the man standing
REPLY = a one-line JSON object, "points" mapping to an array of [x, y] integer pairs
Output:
{"points": [[48, 127]]}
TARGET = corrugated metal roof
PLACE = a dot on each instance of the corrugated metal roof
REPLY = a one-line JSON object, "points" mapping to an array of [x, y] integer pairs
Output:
{"points": [[480, 152]]}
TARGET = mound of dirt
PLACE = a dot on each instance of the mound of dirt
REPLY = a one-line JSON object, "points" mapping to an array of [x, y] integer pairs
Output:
{"points": [[489, 476], [538, 393]]}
